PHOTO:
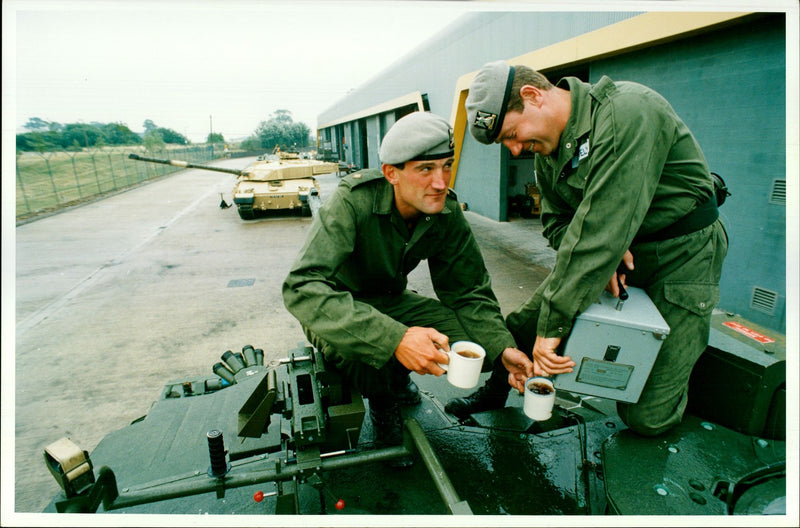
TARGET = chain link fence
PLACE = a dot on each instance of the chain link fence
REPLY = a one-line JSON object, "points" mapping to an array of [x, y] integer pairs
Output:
{"points": [[49, 181]]}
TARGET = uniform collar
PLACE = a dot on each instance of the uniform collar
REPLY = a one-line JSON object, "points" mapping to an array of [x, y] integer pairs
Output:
{"points": [[580, 116], [583, 95], [384, 198], [579, 123], [603, 88]]}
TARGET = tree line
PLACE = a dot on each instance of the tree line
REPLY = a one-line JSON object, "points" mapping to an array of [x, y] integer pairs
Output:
{"points": [[279, 130], [50, 135]]}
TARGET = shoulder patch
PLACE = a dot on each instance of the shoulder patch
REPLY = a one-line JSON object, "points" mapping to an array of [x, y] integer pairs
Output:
{"points": [[363, 176]]}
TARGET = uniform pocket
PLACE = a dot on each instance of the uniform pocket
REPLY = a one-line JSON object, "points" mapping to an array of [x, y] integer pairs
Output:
{"points": [[697, 297]]}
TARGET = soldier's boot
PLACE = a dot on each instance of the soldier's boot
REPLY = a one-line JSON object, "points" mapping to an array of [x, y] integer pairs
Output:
{"points": [[492, 395], [405, 390], [387, 428]]}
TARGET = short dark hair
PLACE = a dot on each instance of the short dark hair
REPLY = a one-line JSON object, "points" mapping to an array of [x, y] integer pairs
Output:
{"points": [[524, 75]]}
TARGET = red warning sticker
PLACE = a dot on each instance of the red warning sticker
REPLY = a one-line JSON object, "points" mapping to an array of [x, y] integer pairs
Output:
{"points": [[752, 334]]}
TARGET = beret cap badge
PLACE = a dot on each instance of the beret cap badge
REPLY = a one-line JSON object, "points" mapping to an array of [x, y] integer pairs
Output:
{"points": [[485, 120]]}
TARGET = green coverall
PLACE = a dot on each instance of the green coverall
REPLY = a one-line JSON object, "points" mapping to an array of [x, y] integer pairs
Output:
{"points": [[627, 166], [347, 287]]}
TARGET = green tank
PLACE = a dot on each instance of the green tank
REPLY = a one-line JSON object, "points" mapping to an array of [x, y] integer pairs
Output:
{"points": [[280, 182], [288, 437]]}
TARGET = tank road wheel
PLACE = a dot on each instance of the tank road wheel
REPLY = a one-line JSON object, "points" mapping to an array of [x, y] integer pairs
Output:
{"points": [[246, 212]]}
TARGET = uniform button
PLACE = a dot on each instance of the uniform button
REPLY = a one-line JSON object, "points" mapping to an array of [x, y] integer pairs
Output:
{"points": [[702, 305], [569, 145], [560, 329], [427, 218]]}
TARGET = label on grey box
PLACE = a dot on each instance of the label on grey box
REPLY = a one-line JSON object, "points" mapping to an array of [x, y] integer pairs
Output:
{"points": [[604, 374]]}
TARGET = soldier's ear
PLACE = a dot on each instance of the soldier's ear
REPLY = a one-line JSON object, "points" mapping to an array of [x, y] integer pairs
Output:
{"points": [[390, 173], [530, 93]]}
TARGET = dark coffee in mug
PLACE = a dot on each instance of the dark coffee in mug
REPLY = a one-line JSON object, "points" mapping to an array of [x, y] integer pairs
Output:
{"points": [[468, 354], [540, 388]]}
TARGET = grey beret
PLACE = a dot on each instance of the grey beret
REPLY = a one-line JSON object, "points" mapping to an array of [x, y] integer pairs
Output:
{"points": [[487, 100], [417, 136]]}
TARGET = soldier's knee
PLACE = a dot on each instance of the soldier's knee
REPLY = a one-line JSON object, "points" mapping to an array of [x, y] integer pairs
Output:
{"points": [[647, 423], [645, 429]]}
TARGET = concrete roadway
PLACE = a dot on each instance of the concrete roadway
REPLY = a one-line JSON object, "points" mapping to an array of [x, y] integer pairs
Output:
{"points": [[117, 297]]}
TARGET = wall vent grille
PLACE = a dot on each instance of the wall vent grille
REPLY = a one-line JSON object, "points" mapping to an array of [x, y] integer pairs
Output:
{"points": [[778, 194], [764, 300]]}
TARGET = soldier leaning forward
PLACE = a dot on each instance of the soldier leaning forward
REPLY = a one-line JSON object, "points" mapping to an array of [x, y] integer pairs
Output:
{"points": [[348, 286], [623, 180]]}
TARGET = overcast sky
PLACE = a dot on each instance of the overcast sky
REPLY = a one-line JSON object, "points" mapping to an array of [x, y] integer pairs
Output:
{"points": [[191, 65], [188, 65]]}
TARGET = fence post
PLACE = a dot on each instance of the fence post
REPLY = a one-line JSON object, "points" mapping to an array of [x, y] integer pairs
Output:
{"points": [[50, 175], [96, 175], [111, 169], [125, 168], [113, 179], [138, 168], [75, 173], [22, 186]]}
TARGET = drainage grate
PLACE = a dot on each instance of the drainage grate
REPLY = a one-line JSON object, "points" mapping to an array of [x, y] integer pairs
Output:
{"points": [[764, 300], [239, 283], [778, 194]]}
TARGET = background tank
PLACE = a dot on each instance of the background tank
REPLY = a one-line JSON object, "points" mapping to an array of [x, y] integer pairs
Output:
{"points": [[279, 182], [275, 183]]}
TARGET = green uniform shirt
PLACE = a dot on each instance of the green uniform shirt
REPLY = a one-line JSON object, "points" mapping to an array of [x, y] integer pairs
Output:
{"points": [[625, 165], [359, 246]]}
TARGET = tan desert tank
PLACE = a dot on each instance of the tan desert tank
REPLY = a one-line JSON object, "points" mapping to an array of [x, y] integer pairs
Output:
{"points": [[272, 183]]}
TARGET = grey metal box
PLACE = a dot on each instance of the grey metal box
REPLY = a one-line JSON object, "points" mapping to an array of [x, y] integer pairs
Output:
{"points": [[614, 345]]}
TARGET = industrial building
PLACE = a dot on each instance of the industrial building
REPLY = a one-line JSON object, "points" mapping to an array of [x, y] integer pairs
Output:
{"points": [[724, 73]]}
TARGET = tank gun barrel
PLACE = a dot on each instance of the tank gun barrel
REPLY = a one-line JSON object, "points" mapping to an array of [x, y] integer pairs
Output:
{"points": [[184, 164]]}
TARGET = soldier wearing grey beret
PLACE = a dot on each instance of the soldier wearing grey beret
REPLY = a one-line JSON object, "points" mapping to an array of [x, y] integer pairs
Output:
{"points": [[348, 287], [627, 199]]}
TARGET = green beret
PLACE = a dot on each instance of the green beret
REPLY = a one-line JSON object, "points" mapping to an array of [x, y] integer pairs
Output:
{"points": [[487, 100], [417, 136]]}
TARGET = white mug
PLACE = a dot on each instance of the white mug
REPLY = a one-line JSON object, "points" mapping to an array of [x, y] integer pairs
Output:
{"points": [[466, 361], [540, 395]]}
